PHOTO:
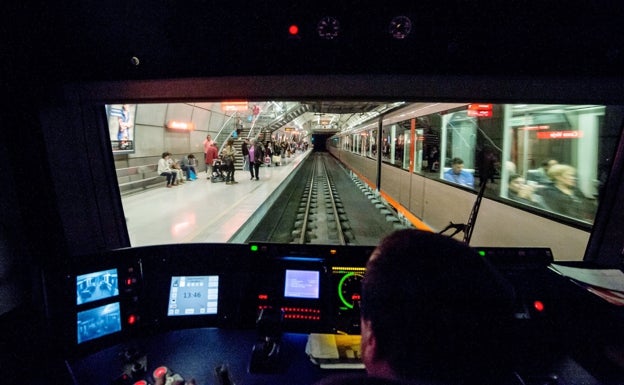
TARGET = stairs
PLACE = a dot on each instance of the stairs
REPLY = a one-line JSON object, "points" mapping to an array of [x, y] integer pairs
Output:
{"points": [[238, 143]]}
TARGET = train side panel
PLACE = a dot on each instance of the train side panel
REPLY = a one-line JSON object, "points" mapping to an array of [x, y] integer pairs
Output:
{"points": [[437, 204]]}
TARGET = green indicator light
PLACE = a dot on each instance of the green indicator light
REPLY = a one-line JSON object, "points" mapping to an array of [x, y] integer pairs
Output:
{"points": [[482, 253], [254, 247]]}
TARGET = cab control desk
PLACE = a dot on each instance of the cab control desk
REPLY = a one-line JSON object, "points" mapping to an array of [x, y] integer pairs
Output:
{"points": [[195, 354]]}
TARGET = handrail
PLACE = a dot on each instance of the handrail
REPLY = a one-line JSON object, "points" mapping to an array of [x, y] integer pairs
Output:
{"points": [[223, 142]]}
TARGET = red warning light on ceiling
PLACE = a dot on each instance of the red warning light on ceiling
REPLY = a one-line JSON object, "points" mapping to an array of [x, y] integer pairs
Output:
{"points": [[538, 305], [132, 319], [293, 30]]}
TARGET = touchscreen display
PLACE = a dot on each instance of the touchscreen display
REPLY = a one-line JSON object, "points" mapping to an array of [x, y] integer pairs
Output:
{"points": [[301, 284], [98, 322], [98, 285], [193, 295]]}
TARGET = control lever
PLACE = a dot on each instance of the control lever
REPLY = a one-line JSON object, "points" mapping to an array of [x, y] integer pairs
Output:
{"points": [[265, 355], [223, 375]]}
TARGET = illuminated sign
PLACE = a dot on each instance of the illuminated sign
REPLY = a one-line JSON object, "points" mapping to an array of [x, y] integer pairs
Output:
{"points": [[479, 114], [180, 126], [574, 134], [480, 110], [234, 106], [289, 129]]}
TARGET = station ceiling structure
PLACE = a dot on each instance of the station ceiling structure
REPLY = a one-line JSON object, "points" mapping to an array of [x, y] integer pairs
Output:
{"points": [[315, 116]]}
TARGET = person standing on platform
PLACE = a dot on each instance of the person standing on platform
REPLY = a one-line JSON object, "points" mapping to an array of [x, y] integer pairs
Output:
{"points": [[433, 311], [207, 143], [212, 153], [166, 171], [245, 151], [229, 154], [256, 155]]}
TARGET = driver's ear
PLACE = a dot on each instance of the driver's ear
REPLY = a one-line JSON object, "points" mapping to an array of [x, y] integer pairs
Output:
{"points": [[369, 341]]}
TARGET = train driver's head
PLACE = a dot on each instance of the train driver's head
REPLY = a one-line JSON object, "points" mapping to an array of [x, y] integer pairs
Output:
{"points": [[433, 310]]}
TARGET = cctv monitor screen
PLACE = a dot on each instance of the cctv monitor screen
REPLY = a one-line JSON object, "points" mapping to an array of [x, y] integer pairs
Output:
{"points": [[98, 322], [302, 284], [95, 286], [193, 295]]}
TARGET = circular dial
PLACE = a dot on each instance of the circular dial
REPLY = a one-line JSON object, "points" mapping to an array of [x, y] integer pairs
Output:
{"points": [[400, 27], [328, 28], [350, 289]]}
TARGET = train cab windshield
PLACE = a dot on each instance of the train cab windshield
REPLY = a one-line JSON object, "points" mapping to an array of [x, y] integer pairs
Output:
{"points": [[541, 168]]}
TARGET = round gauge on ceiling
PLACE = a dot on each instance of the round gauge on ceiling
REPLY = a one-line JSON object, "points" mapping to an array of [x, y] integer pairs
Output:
{"points": [[328, 28], [400, 27]]}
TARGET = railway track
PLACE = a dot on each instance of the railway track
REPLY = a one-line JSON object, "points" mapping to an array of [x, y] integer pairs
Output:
{"points": [[321, 217], [323, 205]]}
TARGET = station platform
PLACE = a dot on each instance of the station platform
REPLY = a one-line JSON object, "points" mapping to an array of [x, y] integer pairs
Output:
{"points": [[203, 211]]}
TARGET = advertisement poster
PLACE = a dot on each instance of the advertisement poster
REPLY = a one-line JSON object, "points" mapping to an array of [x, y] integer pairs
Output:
{"points": [[121, 127]]}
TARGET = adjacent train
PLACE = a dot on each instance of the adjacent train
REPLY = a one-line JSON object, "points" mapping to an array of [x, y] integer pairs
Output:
{"points": [[432, 161]]}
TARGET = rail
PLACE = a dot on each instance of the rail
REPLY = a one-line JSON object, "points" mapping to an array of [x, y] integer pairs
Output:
{"points": [[319, 177]]}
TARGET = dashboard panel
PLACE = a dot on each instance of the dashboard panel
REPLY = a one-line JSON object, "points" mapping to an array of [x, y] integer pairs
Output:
{"points": [[172, 287], [237, 296]]}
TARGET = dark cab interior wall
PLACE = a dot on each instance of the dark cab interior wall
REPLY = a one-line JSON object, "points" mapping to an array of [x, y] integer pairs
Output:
{"points": [[55, 44]]}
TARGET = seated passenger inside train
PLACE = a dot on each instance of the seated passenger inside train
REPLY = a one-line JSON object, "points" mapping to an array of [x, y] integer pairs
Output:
{"points": [[433, 312]]}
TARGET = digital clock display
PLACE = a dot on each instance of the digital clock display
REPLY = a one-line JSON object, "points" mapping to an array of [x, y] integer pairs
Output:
{"points": [[193, 295]]}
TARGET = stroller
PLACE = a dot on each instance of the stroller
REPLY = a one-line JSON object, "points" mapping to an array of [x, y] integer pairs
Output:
{"points": [[217, 171]]}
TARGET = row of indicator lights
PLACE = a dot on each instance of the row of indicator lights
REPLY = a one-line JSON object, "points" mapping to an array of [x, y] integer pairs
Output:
{"points": [[293, 309], [300, 310], [301, 313], [338, 269], [303, 317]]}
